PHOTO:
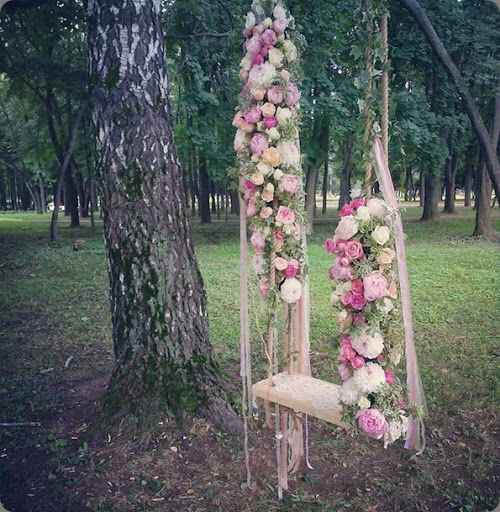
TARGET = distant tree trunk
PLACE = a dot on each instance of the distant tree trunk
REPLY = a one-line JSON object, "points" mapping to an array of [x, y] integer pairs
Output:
{"points": [[408, 183], [421, 189], [164, 361], [235, 204], [345, 173], [3, 192], [450, 183], [432, 191], [489, 149], [71, 198], [204, 193], [468, 180], [325, 188]]}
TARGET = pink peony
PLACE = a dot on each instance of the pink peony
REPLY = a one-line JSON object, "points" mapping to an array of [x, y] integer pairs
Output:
{"points": [[280, 25], [346, 210], [358, 362], [253, 116], [258, 242], [292, 95], [346, 228], [253, 45], [358, 301], [264, 287], [346, 298], [330, 246], [389, 376], [372, 422], [357, 203], [341, 245], [269, 37], [285, 215], [258, 144], [249, 185], [289, 183], [275, 95], [345, 261], [354, 250], [292, 269], [340, 273], [375, 285], [357, 286], [270, 122], [347, 353]]}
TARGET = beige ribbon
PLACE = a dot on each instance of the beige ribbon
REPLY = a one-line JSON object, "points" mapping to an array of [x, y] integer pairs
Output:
{"points": [[415, 439]]}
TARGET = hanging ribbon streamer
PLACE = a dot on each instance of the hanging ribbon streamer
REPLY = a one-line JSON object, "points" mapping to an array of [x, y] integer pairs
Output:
{"points": [[415, 439]]}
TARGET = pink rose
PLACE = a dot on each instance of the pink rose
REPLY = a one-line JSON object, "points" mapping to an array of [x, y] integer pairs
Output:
{"points": [[251, 207], [257, 59], [357, 286], [375, 285], [344, 372], [292, 269], [354, 250], [264, 287], [280, 264], [279, 239], [358, 301], [358, 362], [372, 422], [341, 244], [258, 144], [275, 95], [258, 242], [347, 353], [389, 376], [292, 95], [270, 122], [357, 203], [280, 25], [345, 261], [340, 273], [253, 45], [269, 37], [253, 116], [330, 246], [266, 212], [289, 183], [285, 215], [346, 228], [346, 298], [346, 210], [249, 189]]}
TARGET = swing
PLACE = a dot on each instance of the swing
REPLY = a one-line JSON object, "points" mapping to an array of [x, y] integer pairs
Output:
{"points": [[271, 201]]}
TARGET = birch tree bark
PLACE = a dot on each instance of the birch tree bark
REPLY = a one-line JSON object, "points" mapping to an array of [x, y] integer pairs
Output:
{"points": [[164, 360]]}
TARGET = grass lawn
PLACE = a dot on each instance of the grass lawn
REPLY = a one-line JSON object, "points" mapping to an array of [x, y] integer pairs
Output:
{"points": [[55, 358]]}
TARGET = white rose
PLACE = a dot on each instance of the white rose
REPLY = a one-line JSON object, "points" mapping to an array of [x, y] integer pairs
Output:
{"points": [[347, 228], [393, 433], [283, 115], [291, 290], [276, 57], [250, 20], [349, 392], [285, 75], [363, 214], [268, 22], [369, 345], [364, 403], [279, 12], [278, 174], [385, 306], [274, 134], [381, 235], [264, 168], [377, 207], [290, 50], [262, 75], [369, 378], [289, 153]]}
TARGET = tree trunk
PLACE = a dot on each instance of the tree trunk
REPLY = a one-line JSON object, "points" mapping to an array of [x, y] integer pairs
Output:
{"points": [[421, 189], [468, 180], [450, 183], [71, 198], [204, 193], [408, 184], [3, 192], [432, 191], [164, 361], [346, 171], [478, 125], [325, 189]]}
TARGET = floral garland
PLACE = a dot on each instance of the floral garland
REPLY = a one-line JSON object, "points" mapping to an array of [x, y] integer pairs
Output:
{"points": [[365, 282], [267, 146]]}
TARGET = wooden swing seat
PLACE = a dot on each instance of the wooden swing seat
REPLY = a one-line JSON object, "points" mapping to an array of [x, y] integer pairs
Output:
{"points": [[304, 394]]}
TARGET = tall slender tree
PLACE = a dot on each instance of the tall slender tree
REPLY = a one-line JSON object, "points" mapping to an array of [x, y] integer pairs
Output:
{"points": [[164, 360]]}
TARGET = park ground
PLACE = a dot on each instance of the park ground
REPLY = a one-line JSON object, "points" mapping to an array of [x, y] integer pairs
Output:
{"points": [[56, 357]]}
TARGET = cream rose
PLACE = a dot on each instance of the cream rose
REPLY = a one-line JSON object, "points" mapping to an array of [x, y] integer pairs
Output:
{"points": [[291, 290], [257, 178], [258, 93], [290, 154], [386, 256], [279, 12], [272, 156], [290, 51], [264, 168], [346, 229], [278, 174], [381, 235], [274, 134], [377, 207], [283, 115], [363, 214], [268, 194], [268, 109], [276, 57]]}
